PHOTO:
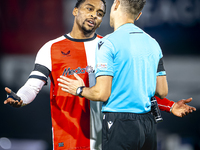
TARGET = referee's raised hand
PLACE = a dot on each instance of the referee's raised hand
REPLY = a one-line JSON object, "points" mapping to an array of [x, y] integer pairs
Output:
{"points": [[12, 99]]}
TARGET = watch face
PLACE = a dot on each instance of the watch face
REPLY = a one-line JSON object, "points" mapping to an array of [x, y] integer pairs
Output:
{"points": [[78, 91]]}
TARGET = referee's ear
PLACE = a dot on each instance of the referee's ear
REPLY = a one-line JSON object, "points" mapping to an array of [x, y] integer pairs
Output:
{"points": [[138, 16]]}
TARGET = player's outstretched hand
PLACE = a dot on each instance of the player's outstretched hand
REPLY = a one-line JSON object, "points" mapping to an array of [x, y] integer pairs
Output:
{"points": [[12, 99], [181, 109]]}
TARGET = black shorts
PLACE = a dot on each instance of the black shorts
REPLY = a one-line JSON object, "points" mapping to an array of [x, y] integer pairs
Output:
{"points": [[129, 131]]}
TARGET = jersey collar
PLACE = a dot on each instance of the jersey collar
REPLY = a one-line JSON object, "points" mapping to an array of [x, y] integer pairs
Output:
{"points": [[80, 40]]}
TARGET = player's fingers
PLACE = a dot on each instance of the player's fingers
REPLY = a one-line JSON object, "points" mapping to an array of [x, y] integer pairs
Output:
{"points": [[182, 114], [7, 90], [16, 104], [190, 111], [19, 104], [188, 100], [187, 112], [8, 101], [193, 108], [12, 102]]}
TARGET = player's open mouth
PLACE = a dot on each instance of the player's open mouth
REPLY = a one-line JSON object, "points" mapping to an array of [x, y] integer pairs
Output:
{"points": [[91, 23]]}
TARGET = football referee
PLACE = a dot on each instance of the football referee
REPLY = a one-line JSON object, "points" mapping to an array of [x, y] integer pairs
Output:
{"points": [[129, 71]]}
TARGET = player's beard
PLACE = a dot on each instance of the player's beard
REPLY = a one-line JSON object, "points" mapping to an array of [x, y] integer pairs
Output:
{"points": [[87, 31]]}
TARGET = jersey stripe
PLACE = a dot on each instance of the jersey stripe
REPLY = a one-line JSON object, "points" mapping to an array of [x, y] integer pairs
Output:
{"points": [[74, 119]]}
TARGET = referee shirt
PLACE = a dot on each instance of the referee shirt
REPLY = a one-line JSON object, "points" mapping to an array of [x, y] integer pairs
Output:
{"points": [[132, 57]]}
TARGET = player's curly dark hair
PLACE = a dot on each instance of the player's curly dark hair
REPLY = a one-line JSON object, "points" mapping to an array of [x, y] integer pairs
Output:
{"points": [[79, 2]]}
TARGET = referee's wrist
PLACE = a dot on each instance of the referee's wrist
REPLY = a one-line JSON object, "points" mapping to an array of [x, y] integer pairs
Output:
{"points": [[79, 91]]}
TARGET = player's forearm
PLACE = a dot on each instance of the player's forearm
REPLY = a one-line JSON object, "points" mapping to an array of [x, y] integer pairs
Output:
{"points": [[29, 91]]}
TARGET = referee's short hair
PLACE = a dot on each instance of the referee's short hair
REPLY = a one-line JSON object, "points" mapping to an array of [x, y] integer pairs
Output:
{"points": [[132, 7]]}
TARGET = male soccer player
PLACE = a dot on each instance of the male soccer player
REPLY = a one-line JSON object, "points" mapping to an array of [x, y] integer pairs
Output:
{"points": [[65, 55], [129, 72], [76, 122]]}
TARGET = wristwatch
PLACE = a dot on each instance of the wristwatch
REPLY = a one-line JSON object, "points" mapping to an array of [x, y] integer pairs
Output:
{"points": [[79, 91]]}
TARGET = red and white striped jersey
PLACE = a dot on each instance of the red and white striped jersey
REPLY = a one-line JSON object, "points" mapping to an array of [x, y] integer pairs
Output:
{"points": [[76, 122]]}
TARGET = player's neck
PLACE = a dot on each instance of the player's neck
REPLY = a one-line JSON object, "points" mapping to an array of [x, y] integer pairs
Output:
{"points": [[79, 34]]}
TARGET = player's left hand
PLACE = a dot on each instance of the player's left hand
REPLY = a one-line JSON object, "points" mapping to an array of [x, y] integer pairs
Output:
{"points": [[70, 85], [13, 100], [181, 109]]}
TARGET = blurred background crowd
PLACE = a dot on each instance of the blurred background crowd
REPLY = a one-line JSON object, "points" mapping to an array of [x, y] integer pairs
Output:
{"points": [[25, 25]]}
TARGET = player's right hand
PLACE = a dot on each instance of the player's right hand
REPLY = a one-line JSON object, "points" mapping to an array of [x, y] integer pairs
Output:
{"points": [[11, 100]]}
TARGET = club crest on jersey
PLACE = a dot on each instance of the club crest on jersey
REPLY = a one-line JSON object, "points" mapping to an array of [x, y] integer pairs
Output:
{"points": [[100, 44], [79, 70]]}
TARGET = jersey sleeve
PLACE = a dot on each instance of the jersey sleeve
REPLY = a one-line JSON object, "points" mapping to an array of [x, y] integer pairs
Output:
{"points": [[40, 72], [164, 104], [104, 58], [44, 55], [42, 67], [161, 70]]}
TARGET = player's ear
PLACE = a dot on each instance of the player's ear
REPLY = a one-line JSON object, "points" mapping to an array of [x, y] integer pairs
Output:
{"points": [[138, 16], [75, 11]]}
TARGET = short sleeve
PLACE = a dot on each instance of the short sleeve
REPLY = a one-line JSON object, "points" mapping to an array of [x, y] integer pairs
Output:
{"points": [[104, 58], [44, 56], [161, 70]]}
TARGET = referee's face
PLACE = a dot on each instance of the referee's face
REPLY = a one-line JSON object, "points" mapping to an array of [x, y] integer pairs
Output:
{"points": [[89, 15]]}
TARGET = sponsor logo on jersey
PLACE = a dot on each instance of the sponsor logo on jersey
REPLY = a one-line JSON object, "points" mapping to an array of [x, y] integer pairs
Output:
{"points": [[79, 70]]}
